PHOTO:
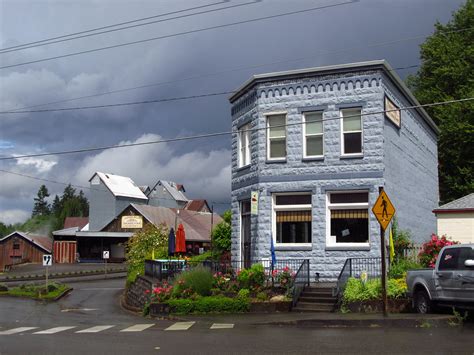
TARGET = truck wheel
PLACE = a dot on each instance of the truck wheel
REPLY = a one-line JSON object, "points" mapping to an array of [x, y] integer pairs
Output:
{"points": [[422, 302]]}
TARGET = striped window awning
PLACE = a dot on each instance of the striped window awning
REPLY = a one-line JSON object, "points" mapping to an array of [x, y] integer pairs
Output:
{"points": [[349, 214], [293, 216]]}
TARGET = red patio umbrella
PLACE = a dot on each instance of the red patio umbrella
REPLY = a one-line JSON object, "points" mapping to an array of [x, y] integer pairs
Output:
{"points": [[180, 239]]}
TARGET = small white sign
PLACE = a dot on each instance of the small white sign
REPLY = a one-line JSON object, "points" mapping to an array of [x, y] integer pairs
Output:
{"points": [[105, 254], [254, 203], [47, 260]]}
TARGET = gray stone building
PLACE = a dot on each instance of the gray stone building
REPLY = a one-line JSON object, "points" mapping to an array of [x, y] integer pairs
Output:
{"points": [[316, 145]]}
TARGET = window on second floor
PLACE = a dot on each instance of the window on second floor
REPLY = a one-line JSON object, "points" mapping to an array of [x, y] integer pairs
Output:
{"points": [[276, 137], [313, 140], [351, 142], [244, 145]]}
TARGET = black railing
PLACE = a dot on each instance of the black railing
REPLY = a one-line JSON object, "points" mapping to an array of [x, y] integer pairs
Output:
{"points": [[357, 267], [301, 280], [167, 269]]}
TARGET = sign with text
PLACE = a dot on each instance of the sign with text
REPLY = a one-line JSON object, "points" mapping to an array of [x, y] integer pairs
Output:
{"points": [[106, 254], [383, 210], [47, 260], [132, 222], [254, 203], [392, 112]]}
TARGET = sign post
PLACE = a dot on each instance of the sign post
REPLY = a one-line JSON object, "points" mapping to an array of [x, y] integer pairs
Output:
{"points": [[383, 210], [47, 262], [105, 256]]}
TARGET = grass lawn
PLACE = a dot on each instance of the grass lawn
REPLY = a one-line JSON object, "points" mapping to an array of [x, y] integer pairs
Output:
{"points": [[36, 291]]}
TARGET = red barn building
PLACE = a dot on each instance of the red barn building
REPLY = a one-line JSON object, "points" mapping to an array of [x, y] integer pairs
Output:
{"points": [[22, 247]]}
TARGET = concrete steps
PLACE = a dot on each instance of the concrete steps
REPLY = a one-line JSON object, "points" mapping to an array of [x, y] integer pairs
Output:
{"points": [[316, 298]]}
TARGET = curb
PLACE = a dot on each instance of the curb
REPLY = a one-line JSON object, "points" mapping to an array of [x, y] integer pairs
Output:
{"points": [[365, 323], [59, 276], [64, 293], [71, 279]]}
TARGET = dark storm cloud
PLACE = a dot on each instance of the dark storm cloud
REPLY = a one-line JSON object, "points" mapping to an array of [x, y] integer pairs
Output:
{"points": [[328, 36]]}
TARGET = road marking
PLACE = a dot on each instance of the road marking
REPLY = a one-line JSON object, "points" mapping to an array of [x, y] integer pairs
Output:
{"points": [[137, 327], [54, 330], [79, 309], [180, 326], [96, 329], [222, 326], [16, 330]]}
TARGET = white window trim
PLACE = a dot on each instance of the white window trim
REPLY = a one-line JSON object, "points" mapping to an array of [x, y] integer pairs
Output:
{"points": [[267, 117], [244, 132], [312, 135], [361, 131], [331, 239], [276, 208]]}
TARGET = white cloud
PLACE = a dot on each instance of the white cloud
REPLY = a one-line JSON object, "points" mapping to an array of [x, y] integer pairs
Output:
{"points": [[41, 165], [14, 216]]}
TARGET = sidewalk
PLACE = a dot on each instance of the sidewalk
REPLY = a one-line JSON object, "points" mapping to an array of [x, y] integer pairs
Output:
{"points": [[329, 319]]}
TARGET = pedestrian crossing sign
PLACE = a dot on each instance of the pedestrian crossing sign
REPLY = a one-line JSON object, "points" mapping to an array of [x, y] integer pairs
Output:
{"points": [[383, 210]]}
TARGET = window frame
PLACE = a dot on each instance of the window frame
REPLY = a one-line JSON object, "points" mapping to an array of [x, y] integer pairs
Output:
{"points": [[361, 131], [331, 242], [305, 135], [244, 158], [276, 208], [269, 116]]}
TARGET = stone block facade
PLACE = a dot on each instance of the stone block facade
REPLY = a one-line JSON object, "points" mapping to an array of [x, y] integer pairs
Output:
{"points": [[401, 160]]}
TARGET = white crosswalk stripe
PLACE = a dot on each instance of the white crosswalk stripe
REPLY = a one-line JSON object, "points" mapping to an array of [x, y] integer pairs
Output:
{"points": [[95, 329], [16, 330], [54, 330], [222, 326], [137, 327], [181, 326]]}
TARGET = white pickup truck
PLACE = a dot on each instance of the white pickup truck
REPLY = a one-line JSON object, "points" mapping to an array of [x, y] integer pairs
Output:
{"points": [[450, 283]]}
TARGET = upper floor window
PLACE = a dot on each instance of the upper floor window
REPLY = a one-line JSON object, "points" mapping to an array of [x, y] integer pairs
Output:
{"points": [[276, 137], [313, 142], [244, 145], [351, 142], [292, 218], [348, 218]]}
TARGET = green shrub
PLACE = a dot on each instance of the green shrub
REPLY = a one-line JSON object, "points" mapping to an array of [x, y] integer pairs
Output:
{"points": [[3, 288], [243, 293], [52, 287], [202, 257], [399, 268], [199, 280], [252, 278], [212, 304], [358, 291], [262, 296]]}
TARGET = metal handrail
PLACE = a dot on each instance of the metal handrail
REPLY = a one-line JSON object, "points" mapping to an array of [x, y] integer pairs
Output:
{"points": [[298, 286]]}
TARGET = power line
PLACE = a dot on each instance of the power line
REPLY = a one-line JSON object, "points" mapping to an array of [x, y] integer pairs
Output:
{"points": [[122, 104], [62, 39], [178, 34], [84, 187], [225, 133], [18, 111]]}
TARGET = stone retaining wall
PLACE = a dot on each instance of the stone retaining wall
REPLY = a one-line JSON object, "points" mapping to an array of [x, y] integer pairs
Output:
{"points": [[135, 294]]}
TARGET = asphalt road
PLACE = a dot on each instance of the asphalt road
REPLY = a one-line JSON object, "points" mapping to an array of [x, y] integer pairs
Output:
{"points": [[58, 328]]}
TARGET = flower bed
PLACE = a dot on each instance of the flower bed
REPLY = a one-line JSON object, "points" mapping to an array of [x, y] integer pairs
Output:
{"points": [[199, 291]]}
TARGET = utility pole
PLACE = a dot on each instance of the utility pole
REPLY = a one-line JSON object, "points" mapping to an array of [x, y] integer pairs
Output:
{"points": [[384, 266], [212, 226]]}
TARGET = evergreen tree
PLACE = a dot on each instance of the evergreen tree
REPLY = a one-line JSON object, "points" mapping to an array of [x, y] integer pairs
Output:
{"points": [[447, 73], [56, 208], [84, 204], [41, 206]]}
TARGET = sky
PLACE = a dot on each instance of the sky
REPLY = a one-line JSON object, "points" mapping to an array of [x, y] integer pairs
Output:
{"points": [[187, 60]]}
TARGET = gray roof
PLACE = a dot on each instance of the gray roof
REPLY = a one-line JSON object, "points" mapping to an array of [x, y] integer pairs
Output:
{"points": [[173, 190], [120, 185], [463, 203], [41, 241], [337, 69]]}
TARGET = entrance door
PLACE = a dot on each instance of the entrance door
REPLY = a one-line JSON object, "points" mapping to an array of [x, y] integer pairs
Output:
{"points": [[245, 233]]}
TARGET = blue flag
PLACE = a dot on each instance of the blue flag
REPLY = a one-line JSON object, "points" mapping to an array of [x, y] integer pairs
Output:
{"points": [[272, 249]]}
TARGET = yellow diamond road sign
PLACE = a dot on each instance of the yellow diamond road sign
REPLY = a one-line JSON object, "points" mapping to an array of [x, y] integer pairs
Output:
{"points": [[383, 210]]}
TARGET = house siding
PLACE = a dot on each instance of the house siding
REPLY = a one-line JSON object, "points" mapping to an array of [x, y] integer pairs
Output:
{"points": [[327, 93], [28, 252], [411, 169]]}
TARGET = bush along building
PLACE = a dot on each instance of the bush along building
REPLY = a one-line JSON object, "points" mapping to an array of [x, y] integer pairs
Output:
{"points": [[315, 145]]}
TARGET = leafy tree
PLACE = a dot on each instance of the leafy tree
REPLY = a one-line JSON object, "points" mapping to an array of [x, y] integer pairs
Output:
{"points": [[447, 73], [221, 233], [84, 203], [6, 229], [41, 206], [141, 246]]}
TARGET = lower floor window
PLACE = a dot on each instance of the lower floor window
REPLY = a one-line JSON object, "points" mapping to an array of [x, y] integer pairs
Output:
{"points": [[293, 226], [350, 226], [348, 214]]}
